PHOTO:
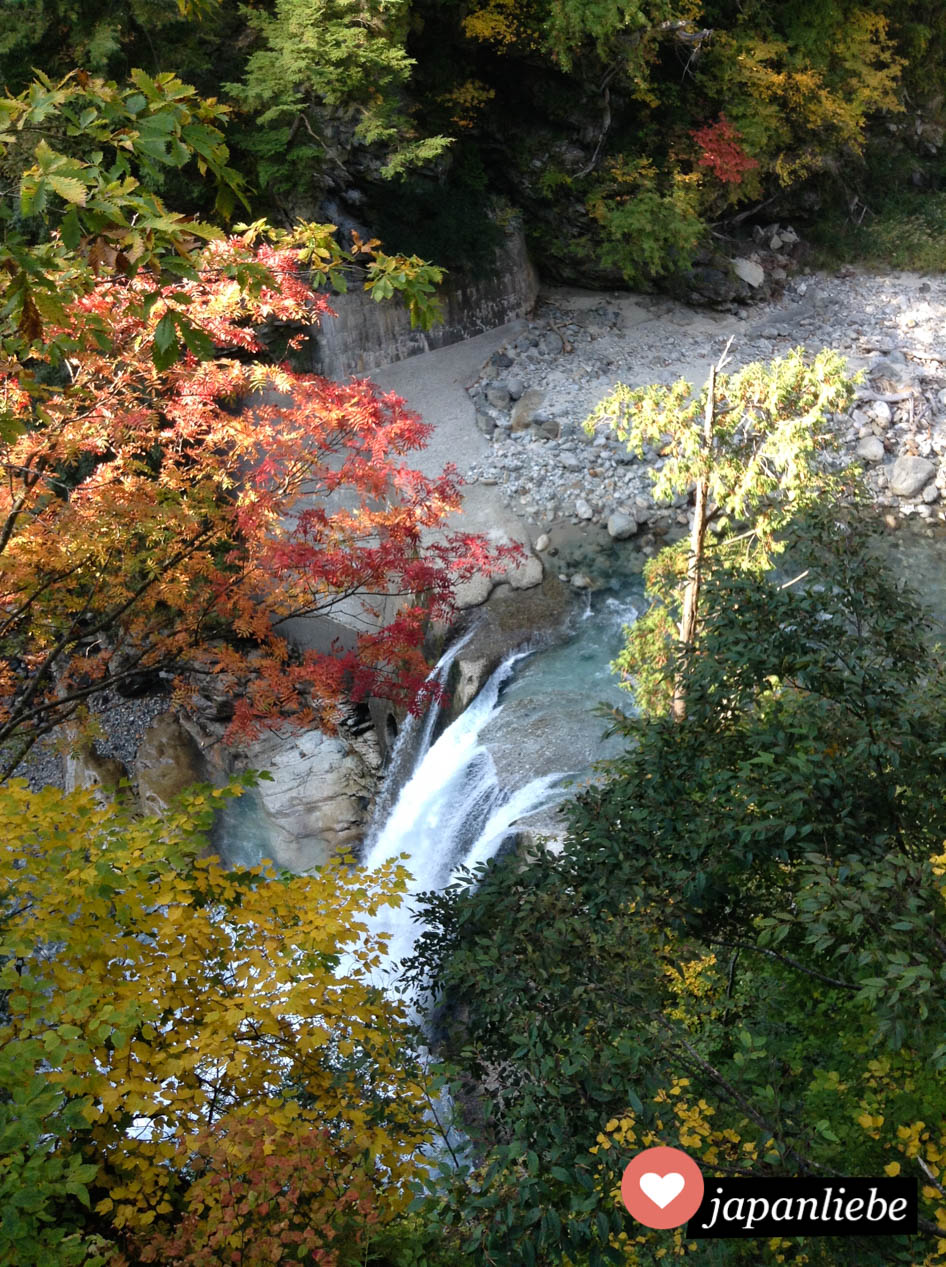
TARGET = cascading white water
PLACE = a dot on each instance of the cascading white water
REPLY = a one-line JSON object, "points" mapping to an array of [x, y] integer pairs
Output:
{"points": [[452, 811], [450, 804]]}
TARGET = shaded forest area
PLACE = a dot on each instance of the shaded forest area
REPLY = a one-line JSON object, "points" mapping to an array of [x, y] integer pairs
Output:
{"points": [[633, 137]]}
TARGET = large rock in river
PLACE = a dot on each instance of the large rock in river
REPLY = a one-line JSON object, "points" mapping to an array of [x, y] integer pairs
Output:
{"points": [[317, 802]]}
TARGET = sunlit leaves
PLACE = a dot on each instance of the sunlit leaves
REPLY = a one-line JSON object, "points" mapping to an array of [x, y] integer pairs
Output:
{"points": [[772, 457], [169, 1027], [183, 494]]}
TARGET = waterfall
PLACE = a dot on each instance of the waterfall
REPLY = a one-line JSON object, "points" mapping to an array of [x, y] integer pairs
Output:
{"points": [[451, 812]]}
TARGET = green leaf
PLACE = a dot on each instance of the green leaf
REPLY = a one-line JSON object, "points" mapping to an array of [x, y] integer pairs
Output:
{"points": [[166, 349], [69, 188]]}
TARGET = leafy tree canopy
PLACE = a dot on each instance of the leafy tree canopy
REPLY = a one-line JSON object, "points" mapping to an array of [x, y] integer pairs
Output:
{"points": [[195, 1062], [739, 950]]}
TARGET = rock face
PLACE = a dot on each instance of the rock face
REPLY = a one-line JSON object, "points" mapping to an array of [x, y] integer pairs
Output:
{"points": [[168, 761], [506, 623], [315, 805], [909, 474], [318, 800]]}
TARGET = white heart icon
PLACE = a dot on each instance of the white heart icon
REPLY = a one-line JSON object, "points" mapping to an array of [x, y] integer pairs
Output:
{"points": [[661, 1189]]}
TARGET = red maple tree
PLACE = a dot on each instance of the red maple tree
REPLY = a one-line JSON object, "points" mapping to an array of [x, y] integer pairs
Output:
{"points": [[160, 512], [722, 153]]}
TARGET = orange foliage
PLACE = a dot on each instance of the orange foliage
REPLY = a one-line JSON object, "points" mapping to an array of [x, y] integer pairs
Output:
{"points": [[174, 513]]}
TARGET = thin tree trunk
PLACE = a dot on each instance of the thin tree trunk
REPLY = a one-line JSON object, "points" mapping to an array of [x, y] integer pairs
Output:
{"points": [[691, 595]]}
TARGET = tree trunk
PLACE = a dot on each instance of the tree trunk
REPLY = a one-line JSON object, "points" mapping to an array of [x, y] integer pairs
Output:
{"points": [[691, 595]]}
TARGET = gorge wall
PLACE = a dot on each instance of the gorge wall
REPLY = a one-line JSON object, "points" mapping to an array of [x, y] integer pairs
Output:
{"points": [[364, 335]]}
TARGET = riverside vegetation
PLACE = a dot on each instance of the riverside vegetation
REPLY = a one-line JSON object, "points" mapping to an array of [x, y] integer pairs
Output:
{"points": [[740, 948]]}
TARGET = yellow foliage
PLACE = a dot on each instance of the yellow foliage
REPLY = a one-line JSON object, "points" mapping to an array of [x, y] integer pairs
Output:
{"points": [[467, 100], [162, 994], [792, 112], [501, 23]]}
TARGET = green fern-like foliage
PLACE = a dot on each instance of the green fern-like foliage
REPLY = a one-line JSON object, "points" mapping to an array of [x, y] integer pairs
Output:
{"points": [[328, 76]]}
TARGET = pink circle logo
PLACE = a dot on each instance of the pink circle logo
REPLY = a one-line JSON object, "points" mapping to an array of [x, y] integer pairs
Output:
{"points": [[662, 1187]]}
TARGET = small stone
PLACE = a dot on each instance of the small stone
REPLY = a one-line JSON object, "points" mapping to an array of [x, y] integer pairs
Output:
{"points": [[582, 509], [930, 494], [775, 242], [909, 474], [485, 423], [880, 412], [546, 428], [542, 543], [581, 581], [515, 387], [498, 396], [871, 449]]}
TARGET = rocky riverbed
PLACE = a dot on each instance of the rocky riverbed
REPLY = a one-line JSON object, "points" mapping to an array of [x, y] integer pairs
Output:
{"points": [[534, 393]]}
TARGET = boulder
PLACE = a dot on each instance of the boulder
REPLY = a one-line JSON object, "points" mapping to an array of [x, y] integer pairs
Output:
{"points": [[749, 271], [169, 760], [524, 411], [528, 574], [910, 474], [473, 592], [87, 768], [621, 525]]}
